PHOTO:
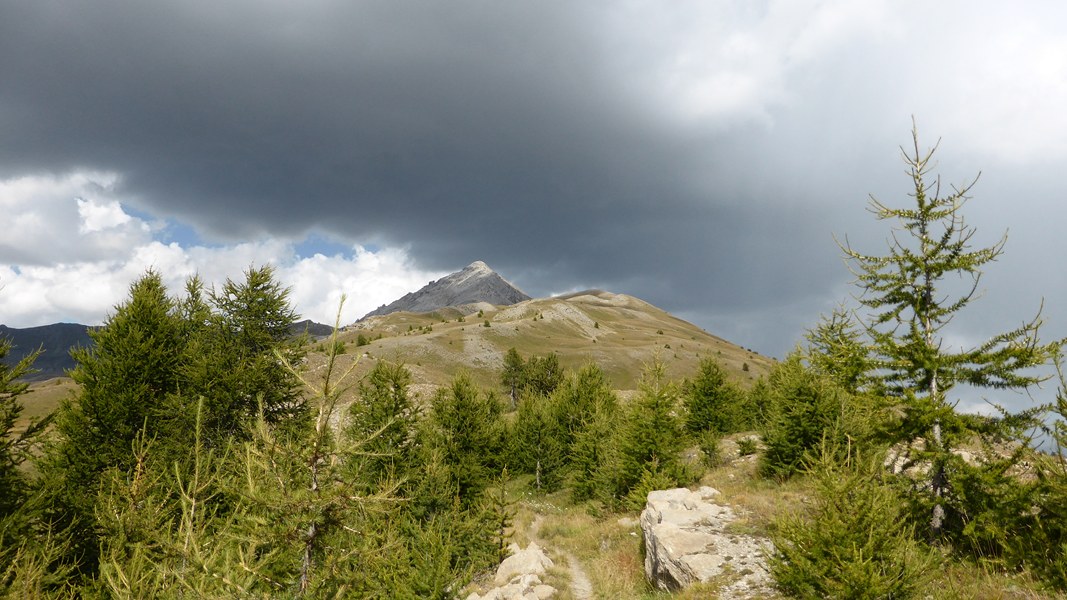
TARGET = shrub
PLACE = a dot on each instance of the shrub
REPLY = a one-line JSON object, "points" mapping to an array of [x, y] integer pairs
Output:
{"points": [[708, 442], [746, 446]]}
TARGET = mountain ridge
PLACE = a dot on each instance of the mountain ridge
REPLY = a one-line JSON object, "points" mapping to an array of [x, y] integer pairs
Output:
{"points": [[475, 283], [620, 333], [56, 340]]}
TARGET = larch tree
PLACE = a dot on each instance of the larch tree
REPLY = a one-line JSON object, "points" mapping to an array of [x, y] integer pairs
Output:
{"points": [[253, 320], [910, 299], [124, 381], [711, 401], [14, 445], [511, 377]]}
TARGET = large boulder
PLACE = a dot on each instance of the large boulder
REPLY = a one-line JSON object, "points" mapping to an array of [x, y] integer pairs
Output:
{"points": [[687, 541], [519, 576]]}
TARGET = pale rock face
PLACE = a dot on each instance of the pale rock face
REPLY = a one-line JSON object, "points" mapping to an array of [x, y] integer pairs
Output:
{"points": [[476, 283], [686, 541]]}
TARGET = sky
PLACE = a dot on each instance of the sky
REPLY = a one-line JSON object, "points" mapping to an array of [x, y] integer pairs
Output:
{"points": [[699, 154]]}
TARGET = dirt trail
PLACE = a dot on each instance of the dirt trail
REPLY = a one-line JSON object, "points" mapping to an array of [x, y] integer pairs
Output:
{"points": [[581, 586]]}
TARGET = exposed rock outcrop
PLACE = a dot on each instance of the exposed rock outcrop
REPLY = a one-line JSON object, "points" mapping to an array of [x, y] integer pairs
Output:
{"points": [[476, 283], [687, 541], [519, 576]]}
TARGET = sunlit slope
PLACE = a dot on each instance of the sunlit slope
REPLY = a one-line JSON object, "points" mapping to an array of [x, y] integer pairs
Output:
{"points": [[618, 332]]}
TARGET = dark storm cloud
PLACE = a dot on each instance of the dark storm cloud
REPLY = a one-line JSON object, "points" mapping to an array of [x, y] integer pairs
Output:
{"points": [[368, 115], [520, 134], [466, 131]]}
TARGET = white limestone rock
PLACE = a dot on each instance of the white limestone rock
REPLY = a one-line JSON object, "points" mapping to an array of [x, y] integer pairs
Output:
{"points": [[686, 541]]}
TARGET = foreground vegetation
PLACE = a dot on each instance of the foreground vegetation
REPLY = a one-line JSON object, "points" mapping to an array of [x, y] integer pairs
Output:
{"points": [[202, 457]]}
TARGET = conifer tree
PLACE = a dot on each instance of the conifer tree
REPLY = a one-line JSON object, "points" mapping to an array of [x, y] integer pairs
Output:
{"points": [[910, 299], [27, 550], [711, 401], [592, 453], [577, 397], [537, 442], [385, 417], [853, 541], [652, 433], [836, 349], [14, 446], [466, 428], [805, 409], [252, 321], [123, 380], [542, 374], [1047, 544], [513, 374]]}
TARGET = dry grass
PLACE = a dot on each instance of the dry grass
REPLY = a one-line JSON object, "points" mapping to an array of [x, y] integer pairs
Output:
{"points": [[43, 398], [615, 331], [610, 547], [963, 580]]}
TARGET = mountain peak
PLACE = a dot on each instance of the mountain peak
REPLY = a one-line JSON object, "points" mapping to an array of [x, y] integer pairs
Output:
{"points": [[475, 283]]}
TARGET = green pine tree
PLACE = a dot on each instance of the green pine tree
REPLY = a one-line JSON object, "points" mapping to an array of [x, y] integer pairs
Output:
{"points": [[805, 409], [513, 375], [537, 442], [711, 401], [124, 381], [542, 374], [836, 348], [252, 321], [386, 417], [576, 398], [465, 426], [853, 540], [29, 549], [911, 298], [14, 446], [593, 459], [651, 433]]}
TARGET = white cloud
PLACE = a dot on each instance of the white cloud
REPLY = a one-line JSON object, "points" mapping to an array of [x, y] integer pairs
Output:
{"points": [[369, 279], [63, 219], [100, 216], [72, 251], [731, 60], [991, 79]]}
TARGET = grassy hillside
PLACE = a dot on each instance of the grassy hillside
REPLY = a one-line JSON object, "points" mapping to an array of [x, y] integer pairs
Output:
{"points": [[43, 398], [618, 332]]}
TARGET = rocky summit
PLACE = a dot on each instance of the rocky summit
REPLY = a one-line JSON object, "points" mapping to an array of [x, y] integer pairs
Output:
{"points": [[476, 283]]}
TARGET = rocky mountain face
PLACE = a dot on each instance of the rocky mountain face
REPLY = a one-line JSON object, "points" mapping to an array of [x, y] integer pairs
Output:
{"points": [[476, 283]]}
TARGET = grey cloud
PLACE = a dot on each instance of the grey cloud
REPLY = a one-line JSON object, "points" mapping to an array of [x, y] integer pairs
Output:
{"points": [[505, 132]]}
